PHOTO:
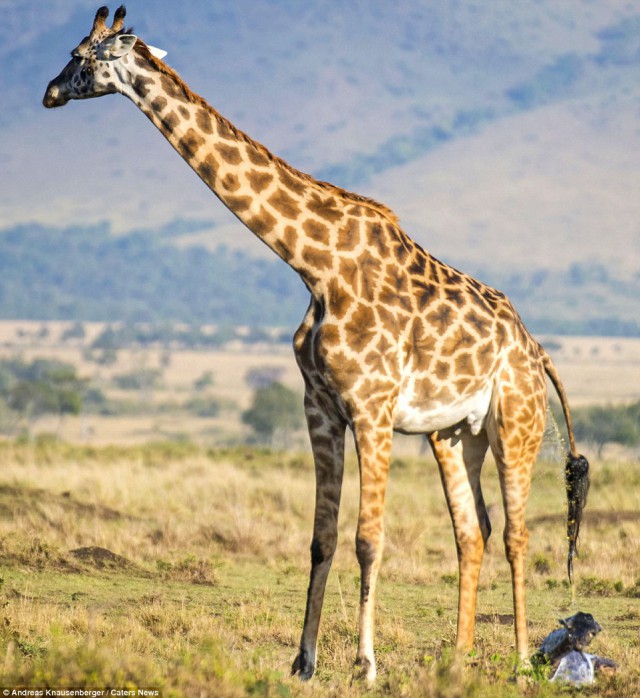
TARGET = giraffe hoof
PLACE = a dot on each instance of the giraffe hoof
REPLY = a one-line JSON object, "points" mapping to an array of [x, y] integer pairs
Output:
{"points": [[364, 670], [302, 666]]}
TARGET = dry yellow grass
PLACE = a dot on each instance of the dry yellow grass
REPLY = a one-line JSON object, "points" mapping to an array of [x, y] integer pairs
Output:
{"points": [[210, 598]]}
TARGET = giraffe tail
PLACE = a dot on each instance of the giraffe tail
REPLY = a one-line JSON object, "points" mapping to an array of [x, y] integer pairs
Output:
{"points": [[576, 470]]}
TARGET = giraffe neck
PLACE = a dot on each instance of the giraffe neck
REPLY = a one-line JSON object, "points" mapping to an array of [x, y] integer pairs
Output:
{"points": [[286, 209]]}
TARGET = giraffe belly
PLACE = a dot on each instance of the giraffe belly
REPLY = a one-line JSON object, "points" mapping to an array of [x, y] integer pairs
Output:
{"points": [[416, 416]]}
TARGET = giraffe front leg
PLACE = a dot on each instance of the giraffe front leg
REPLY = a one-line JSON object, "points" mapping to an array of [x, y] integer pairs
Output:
{"points": [[373, 444], [514, 483], [327, 441], [460, 459]]}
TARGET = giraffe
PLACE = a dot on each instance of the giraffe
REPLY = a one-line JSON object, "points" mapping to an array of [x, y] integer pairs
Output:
{"points": [[393, 340]]}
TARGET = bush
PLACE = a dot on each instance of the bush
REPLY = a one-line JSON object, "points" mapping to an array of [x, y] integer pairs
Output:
{"points": [[275, 411]]}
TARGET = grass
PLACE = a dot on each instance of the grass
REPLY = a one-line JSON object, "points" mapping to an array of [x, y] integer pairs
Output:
{"points": [[182, 568]]}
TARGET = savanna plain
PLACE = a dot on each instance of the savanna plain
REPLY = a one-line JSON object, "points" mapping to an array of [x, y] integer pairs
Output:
{"points": [[130, 559]]}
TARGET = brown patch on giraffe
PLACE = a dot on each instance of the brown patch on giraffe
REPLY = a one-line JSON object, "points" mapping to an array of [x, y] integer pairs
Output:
{"points": [[259, 181], [511, 403], [262, 223], [522, 381], [230, 182], [481, 323], [207, 169], [418, 263], [283, 251], [355, 211], [339, 301], [348, 271], [464, 364], [401, 251], [397, 280], [139, 85], [319, 260], [462, 384], [514, 440], [387, 318], [444, 394], [424, 292], [159, 103], [518, 358], [456, 296], [229, 153], [383, 346], [316, 231], [395, 290], [204, 121], [376, 362], [190, 143], [139, 60], [174, 88], [169, 121], [361, 327], [422, 345], [424, 387], [485, 357], [285, 204], [292, 183], [238, 203], [184, 113], [290, 236], [451, 276], [226, 131], [500, 335], [348, 236], [330, 335], [459, 340], [441, 370], [257, 155], [326, 208], [376, 238], [441, 318], [370, 268], [346, 371], [491, 300]]}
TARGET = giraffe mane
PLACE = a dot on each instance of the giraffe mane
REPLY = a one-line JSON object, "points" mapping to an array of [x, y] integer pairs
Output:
{"points": [[194, 98]]}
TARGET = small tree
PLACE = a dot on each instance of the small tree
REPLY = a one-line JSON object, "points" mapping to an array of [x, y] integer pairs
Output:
{"points": [[44, 387], [275, 412]]}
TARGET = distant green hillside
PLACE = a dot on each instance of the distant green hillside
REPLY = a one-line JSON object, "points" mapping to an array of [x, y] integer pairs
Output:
{"points": [[87, 274]]}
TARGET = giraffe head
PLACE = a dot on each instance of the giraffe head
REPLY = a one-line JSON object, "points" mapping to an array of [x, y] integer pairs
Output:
{"points": [[93, 68]]}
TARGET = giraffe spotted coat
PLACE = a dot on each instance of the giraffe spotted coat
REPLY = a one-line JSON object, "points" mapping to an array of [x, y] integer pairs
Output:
{"points": [[393, 338]]}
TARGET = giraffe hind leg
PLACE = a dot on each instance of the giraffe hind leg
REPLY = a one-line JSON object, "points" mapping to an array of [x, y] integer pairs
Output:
{"points": [[460, 458], [515, 447]]}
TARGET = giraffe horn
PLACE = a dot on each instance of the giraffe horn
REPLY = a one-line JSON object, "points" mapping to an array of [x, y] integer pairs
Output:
{"points": [[99, 23], [118, 18]]}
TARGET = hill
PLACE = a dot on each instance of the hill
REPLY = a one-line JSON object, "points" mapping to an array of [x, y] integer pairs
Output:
{"points": [[504, 135], [88, 274]]}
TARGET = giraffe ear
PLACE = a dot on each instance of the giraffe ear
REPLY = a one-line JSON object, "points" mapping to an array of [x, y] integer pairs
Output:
{"points": [[119, 45]]}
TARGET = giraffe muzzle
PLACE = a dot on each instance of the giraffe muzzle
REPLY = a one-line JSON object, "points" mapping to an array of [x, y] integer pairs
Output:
{"points": [[53, 97]]}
